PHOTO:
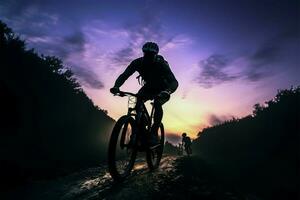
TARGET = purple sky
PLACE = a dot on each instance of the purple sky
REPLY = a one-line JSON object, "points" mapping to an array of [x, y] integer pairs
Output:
{"points": [[227, 55]]}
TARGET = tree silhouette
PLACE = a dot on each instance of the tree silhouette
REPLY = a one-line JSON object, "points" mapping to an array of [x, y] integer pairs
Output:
{"points": [[49, 125], [261, 150]]}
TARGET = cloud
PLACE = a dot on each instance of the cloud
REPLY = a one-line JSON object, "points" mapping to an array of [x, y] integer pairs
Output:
{"points": [[270, 53], [72, 48], [12, 8], [62, 47], [69, 48], [214, 71], [215, 120], [124, 55], [148, 28], [38, 35], [44, 31], [28, 18], [87, 77], [76, 41], [268, 58]]}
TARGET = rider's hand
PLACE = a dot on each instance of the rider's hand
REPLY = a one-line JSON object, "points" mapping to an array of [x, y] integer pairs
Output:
{"points": [[114, 90], [164, 94], [163, 97]]}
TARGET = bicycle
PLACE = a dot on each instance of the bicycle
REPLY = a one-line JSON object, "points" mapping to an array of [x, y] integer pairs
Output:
{"points": [[130, 135]]}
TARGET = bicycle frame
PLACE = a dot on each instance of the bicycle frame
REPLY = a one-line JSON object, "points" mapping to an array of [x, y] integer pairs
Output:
{"points": [[139, 111], [143, 115]]}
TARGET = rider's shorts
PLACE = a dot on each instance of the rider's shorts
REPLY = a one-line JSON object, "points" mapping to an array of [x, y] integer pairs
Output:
{"points": [[148, 93]]}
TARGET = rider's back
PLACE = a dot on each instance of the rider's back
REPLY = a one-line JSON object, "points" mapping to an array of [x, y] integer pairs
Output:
{"points": [[156, 74], [187, 141]]}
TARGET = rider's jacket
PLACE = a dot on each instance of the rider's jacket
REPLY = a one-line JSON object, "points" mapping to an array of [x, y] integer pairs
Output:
{"points": [[156, 74]]}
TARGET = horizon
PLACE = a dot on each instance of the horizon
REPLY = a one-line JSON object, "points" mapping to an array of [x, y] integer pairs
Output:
{"points": [[221, 69]]}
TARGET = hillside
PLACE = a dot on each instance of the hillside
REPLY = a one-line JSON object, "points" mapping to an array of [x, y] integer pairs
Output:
{"points": [[49, 126], [261, 151]]}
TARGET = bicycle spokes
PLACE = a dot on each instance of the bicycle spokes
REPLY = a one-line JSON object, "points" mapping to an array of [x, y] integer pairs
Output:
{"points": [[123, 136], [124, 150], [154, 153]]}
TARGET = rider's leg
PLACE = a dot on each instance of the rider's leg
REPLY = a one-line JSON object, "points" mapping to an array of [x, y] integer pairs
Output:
{"points": [[142, 96], [158, 115], [158, 112]]}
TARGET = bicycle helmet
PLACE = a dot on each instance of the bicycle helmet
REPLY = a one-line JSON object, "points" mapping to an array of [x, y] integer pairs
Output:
{"points": [[150, 47], [183, 134]]}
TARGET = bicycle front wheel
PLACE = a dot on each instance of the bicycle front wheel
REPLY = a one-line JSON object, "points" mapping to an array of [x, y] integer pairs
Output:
{"points": [[154, 155], [122, 150]]}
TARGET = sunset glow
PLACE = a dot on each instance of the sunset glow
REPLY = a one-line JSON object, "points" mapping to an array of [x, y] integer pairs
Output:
{"points": [[224, 64]]}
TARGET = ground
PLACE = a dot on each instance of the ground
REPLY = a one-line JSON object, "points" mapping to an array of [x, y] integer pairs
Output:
{"points": [[177, 178]]}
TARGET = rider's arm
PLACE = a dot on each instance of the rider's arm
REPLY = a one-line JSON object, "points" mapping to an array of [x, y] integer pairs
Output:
{"points": [[126, 74], [171, 81]]}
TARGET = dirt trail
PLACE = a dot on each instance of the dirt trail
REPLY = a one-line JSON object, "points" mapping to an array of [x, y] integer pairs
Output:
{"points": [[177, 178], [96, 183]]}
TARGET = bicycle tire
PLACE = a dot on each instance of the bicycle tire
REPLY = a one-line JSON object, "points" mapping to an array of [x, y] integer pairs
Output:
{"points": [[154, 156], [112, 148]]}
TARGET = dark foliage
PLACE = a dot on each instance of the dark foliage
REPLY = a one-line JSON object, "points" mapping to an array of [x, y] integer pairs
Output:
{"points": [[48, 124], [260, 151]]}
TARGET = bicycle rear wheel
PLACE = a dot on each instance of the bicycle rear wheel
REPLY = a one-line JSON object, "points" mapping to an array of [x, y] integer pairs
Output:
{"points": [[122, 150], [154, 155]]}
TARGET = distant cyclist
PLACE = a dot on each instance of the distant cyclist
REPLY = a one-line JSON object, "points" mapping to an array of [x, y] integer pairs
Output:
{"points": [[186, 141], [180, 149], [158, 82]]}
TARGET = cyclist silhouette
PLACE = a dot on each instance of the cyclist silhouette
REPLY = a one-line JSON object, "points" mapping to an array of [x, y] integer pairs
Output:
{"points": [[186, 141], [157, 79]]}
